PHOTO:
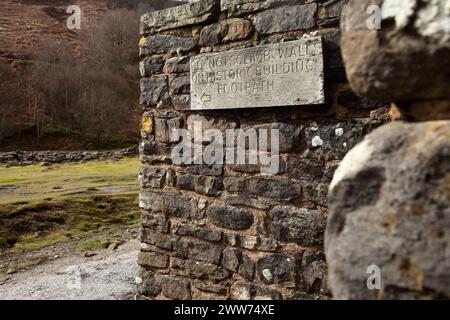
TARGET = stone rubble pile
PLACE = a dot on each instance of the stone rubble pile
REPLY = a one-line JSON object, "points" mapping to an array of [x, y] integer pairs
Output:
{"points": [[21, 158]]}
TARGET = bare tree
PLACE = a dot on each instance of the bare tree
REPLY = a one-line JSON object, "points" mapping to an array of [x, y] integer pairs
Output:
{"points": [[11, 116], [90, 97]]}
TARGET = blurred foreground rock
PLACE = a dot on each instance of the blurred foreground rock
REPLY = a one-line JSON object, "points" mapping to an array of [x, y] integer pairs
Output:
{"points": [[389, 204], [388, 229], [407, 59]]}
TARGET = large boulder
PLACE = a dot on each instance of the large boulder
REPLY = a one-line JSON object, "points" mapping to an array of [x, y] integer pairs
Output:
{"points": [[390, 209], [407, 59]]}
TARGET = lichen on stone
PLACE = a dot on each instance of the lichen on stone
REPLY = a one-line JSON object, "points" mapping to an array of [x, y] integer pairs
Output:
{"points": [[433, 21], [399, 10], [317, 141], [431, 18]]}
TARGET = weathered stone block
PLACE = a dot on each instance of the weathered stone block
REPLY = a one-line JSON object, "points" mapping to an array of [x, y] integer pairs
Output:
{"points": [[153, 260], [218, 122], [275, 189], [210, 287], [248, 242], [180, 16], [286, 18], [210, 186], [151, 177], [280, 190], [267, 244], [182, 102], [316, 193], [164, 128], [289, 135], [379, 62], [177, 65], [231, 239], [239, 199], [226, 31], [205, 170], [231, 259], [246, 268], [202, 295], [245, 168], [236, 29], [241, 7], [302, 226], [197, 232], [333, 8], [279, 269], [164, 241], [199, 270], [147, 124], [209, 235], [205, 252], [229, 217], [155, 92], [156, 152], [171, 203], [330, 12], [163, 43], [314, 272], [332, 141], [181, 85], [186, 182], [156, 222], [241, 290], [305, 169], [330, 169], [389, 207], [176, 288], [151, 66], [211, 35], [148, 287], [276, 166]]}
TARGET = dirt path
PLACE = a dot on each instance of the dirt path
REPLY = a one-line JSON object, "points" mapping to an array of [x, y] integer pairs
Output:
{"points": [[110, 275]]}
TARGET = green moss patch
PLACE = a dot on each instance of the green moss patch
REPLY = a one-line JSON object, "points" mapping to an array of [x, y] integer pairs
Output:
{"points": [[66, 202]]}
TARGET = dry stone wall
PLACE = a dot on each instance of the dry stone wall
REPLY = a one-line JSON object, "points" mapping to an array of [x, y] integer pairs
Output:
{"points": [[232, 231], [23, 158]]}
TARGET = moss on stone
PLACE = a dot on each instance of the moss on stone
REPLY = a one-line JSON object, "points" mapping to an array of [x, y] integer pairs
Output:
{"points": [[66, 202]]}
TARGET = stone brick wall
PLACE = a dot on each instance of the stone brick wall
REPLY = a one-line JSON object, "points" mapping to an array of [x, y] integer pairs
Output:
{"points": [[231, 232]]}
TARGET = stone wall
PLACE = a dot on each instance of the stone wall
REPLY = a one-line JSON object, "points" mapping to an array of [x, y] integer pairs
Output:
{"points": [[230, 231], [24, 158]]}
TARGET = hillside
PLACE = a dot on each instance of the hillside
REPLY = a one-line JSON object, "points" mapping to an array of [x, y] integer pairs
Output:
{"points": [[26, 121], [25, 23]]}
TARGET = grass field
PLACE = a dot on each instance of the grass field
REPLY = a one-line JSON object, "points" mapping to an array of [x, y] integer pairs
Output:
{"points": [[41, 206]]}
